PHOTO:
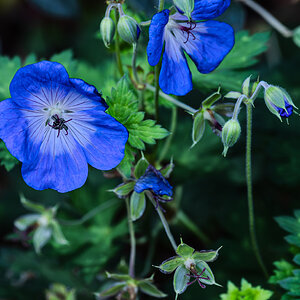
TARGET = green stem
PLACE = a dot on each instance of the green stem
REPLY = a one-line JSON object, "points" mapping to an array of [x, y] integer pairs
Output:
{"points": [[161, 5], [117, 49], [250, 191], [168, 142], [156, 92], [132, 241], [134, 70], [172, 100], [164, 222]]}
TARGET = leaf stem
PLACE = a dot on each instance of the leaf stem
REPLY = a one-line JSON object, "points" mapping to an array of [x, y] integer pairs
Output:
{"points": [[172, 99], [163, 221], [250, 191], [169, 139], [132, 241], [134, 70], [156, 91], [286, 32], [161, 5]]}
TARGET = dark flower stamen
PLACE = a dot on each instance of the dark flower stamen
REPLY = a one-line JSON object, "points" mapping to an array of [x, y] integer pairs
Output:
{"points": [[188, 31], [59, 124], [197, 277]]}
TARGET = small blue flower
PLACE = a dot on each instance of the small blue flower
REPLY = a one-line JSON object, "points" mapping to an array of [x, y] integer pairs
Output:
{"points": [[156, 183], [287, 112], [56, 126], [207, 43]]}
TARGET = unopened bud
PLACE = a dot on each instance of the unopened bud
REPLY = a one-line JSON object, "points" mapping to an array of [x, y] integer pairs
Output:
{"points": [[230, 134], [107, 30], [128, 29], [185, 6], [278, 101]]}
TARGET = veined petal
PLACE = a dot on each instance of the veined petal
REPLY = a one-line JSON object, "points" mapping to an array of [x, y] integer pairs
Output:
{"points": [[156, 35], [208, 43], [101, 137], [175, 76], [89, 90], [39, 85], [60, 164], [209, 9]]}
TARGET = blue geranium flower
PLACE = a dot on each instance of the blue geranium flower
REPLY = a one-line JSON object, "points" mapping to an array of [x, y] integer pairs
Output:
{"points": [[207, 43], [56, 125], [156, 183]]}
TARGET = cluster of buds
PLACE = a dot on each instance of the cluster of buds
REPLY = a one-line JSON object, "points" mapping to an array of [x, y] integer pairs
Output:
{"points": [[127, 26]]}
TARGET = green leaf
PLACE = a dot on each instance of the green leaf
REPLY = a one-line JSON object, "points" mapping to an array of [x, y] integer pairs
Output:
{"points": [[141, 167], [289, 224], [292, 284], [283, 270], [181, 279], [32, 206], [208, 256], [124, 277], [169, 265], [126, 164], [184, 250], [124, 189], [6, 159], [24, 222], [297, 260], [40, 237], [137, 205], [296, 36], [112, 291], [151, 290], [246, 86], [198, 128], [57, 233], [247, 291], [233, 95]]}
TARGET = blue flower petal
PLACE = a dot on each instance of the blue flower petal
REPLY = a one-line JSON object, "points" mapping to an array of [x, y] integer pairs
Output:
{"points": [[156, 34], [209, 9], [154, 181], [89, 90], [39, 84], [287, 112], [101, 137], [60, 165], [208, 44], [175, 76]]}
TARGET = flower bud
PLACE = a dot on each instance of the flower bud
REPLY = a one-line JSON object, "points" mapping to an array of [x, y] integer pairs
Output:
{"points": [[278, 101], [185, 6], [128, 29], [230, 134], [107, 30]]}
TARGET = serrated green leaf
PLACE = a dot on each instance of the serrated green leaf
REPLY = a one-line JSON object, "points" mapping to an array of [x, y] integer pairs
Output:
{"points": [[289, 224], [169, 265], [283, 270], [6, 159], [292, 284], [151, 290], [297, 260], [181, 279], [137, 205]]}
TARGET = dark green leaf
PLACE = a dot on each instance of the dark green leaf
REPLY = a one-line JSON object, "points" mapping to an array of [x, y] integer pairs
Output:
{"points": [[151, 290]]}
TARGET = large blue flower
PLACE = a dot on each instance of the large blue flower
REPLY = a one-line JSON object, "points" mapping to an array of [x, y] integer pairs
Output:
{"points": [[207, 43], [56, 125]]}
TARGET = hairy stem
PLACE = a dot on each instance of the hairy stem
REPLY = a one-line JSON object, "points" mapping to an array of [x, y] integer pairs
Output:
{"points": [[161, 5], [172, 100], [132, 241], [250, 191], [117, 49], [286, 32], [157, 91], [164, 222]]}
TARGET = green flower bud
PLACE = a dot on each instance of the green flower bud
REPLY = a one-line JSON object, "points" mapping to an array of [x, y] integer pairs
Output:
{"points": [[128, 29], [107, 30], [230, 134], [185, 6]]}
